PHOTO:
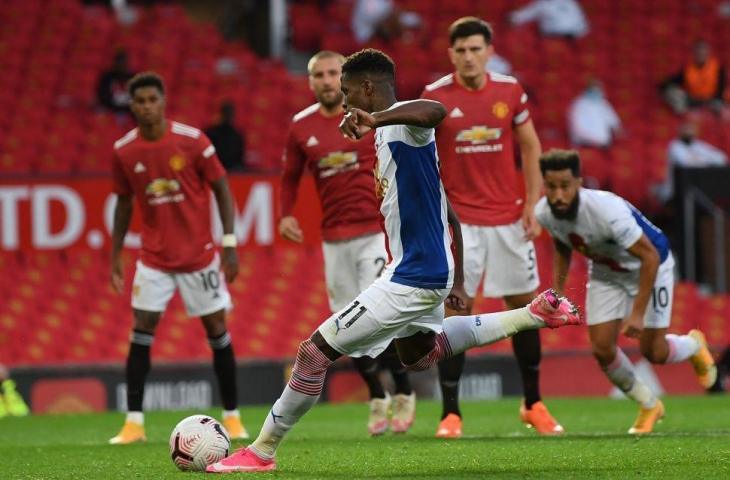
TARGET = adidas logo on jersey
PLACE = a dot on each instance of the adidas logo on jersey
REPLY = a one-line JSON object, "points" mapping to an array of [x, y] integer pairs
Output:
{"points": [[139, 168], [456, 113], [312, 141]]}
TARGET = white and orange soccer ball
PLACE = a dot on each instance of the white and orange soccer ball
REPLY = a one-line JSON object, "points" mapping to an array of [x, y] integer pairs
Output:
{"points": [[198, 441]]}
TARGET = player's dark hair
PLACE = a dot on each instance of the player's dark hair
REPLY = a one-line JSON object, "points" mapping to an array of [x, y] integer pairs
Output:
{"points": [[145, 79], [557, 159], [370, 62], [468, 26]]}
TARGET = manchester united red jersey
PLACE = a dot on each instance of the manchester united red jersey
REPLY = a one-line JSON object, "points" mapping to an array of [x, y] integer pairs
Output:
{"points": [[342, 170], [475, 146], [169, 178]]}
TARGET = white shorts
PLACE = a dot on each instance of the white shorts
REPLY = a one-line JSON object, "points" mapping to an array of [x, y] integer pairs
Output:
{"points": [[607, 301], [203, 292], [503, 253], [383, 312], [350, 266]]}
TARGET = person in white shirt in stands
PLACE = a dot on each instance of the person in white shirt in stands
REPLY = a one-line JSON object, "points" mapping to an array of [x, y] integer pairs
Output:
{"points": [[555, 17], [592, 121], [686, 151]]}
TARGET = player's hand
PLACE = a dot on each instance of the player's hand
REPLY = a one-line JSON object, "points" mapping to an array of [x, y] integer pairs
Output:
{"points": [[632, 325], [290, 230], [357, 123], [117, 278], [530, 224], [457, 299], [230, 264]]}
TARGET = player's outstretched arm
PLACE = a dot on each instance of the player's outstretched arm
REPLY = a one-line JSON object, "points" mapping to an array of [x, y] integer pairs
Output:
{"points": [[561, 265], [122, 217], [457, 299], [224, 199], [418, 113], [647, 253]]}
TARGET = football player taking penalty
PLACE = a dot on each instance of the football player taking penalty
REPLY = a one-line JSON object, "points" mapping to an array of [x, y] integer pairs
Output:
{"points": [[406, 303]]}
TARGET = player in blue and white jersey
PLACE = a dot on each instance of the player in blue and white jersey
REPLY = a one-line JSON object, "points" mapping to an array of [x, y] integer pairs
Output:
{"points": [[407, 302], [631, 280]]}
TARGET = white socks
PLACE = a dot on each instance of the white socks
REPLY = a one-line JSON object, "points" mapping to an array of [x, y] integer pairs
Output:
{"points": [[621, 372], [681, 347], [286, 412], [231, 413], [465, 332], [135, 417]]}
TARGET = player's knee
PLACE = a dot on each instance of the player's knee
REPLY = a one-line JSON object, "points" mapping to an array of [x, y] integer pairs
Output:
{"points": [[146, 321], [604, 353], [311, 359], [214, 324]]}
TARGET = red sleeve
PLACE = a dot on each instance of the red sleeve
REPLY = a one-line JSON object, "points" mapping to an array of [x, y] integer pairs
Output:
{"points": [[207, 161], [294, 162], [519, 106], [120, 182], [425, 94]]}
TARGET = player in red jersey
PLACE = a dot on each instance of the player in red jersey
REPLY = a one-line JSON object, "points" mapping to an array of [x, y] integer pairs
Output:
{"points": [[169, 169], [487, 112], [354, 245]]}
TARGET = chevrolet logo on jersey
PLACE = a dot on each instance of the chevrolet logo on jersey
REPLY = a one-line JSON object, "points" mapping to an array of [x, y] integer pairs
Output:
{"points": [[479, 134], [162, 186], [163, 190], [337, 162]]}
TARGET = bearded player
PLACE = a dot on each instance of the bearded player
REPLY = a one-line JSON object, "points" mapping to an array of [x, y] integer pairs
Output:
{"points": [[487, 114], [169, 169], [631, 281], [354, 245]]}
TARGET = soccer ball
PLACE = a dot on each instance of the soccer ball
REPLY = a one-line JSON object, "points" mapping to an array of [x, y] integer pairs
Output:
{"points": [[198, 441]]}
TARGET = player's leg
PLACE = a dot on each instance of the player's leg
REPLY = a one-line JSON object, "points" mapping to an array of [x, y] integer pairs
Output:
{"points": [[451, 369], [137, 367], [351, 330], [421, 351], [658, 346], [205, 295], [528, 352], [344, 282], [151, 291], [371, 258], [516, 279], [404, 398], [606, 306], [224, 366]]}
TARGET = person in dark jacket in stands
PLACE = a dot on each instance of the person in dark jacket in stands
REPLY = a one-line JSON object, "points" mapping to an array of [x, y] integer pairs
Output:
{"points": [[229, 142]]}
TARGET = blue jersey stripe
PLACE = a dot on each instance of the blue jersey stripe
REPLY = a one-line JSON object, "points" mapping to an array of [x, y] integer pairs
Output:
{"points": [[424, 263], [653, 233]]}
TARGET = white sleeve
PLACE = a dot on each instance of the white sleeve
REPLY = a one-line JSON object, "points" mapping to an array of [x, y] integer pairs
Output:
{"points": [[621, 222], [418, 136]]}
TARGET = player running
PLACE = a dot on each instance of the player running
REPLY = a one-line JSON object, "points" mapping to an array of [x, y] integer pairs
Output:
{"points": [[487, 114], [354, 245], [406, 302], [631, 281], [170, 168]]}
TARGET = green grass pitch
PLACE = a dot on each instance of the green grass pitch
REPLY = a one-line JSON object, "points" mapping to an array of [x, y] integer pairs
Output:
{"points": [[693, 442]]}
